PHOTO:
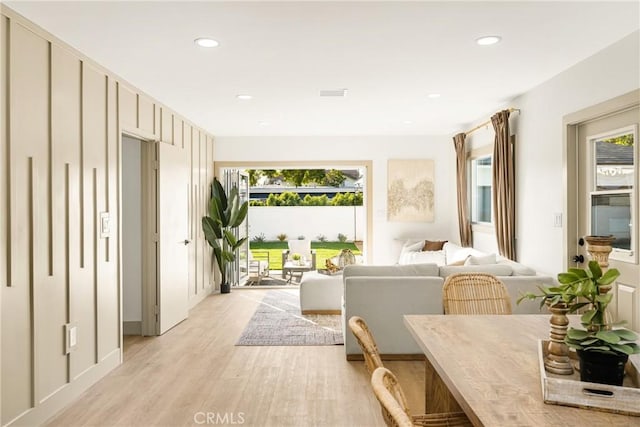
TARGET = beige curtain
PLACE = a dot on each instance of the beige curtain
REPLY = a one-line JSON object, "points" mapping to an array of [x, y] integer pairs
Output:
{"points": [[503, 185], [466, 238]]}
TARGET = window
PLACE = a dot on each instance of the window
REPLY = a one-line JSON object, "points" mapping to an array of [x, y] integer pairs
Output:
{"points": [[613, 190], [481, 178]]}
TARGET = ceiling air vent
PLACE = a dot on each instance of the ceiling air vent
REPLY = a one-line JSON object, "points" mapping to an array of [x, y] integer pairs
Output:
{"points": [[334, 92]]}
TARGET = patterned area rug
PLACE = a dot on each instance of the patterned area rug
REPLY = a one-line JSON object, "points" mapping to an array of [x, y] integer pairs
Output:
{"points": [[277, 321]]}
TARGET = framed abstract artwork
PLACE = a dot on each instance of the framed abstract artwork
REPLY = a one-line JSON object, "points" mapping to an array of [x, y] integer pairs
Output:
{"points": [[410, 195]]}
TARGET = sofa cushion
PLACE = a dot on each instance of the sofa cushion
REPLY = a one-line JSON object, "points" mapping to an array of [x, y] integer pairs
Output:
{"points": [[391, 270], [432, 257], [480, 260], [495, 269], [518, 269]]}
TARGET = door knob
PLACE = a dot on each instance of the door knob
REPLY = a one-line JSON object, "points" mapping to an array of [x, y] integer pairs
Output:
{"points": [[186, 242], [578, 258]]}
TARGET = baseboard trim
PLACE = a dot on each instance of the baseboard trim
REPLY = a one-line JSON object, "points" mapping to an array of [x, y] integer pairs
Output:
{"points": [[50, 407], [321, 312], [201, 295], [360, 357], [132, 327]]}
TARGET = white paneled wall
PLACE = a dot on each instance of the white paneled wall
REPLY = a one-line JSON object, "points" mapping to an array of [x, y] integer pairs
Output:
{"points": [[61, 124]]}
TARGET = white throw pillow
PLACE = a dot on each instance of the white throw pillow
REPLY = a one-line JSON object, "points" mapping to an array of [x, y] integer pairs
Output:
{"points": [[456, 253], [427, 257], [481, 260], [412, 246]]}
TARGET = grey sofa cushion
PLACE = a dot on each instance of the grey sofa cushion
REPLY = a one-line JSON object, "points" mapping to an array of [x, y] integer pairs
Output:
{"points": [[391, 270], [518, 269], [495, 269]]}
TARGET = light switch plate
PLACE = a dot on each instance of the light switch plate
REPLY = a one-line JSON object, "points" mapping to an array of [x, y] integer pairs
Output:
{"points": [[105, 226]]}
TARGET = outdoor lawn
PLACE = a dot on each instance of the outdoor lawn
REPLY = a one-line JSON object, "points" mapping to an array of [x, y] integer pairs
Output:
{"points": [[323, 250]]}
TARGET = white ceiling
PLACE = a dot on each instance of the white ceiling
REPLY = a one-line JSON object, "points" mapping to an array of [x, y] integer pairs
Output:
{"points": [[389, 55]]}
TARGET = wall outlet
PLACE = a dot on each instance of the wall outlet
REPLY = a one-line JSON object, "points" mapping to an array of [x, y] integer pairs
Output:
{"points": [[71, 336]]}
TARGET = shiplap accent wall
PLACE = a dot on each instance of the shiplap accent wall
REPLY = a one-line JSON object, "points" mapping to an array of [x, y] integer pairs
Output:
{"points": [[61, 122]]}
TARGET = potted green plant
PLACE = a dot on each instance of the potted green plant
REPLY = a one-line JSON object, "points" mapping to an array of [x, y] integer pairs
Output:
{"points": [[225, 215], [602, 351]]}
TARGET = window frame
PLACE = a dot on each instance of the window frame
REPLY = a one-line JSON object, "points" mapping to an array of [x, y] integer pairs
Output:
{"points": [[474, 155], [618, 254]]}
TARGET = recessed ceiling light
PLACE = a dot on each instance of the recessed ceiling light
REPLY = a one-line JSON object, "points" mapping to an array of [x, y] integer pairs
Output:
{"points": [[244, 97], [407, 122], [263, 123], [206, 42], [488, 40], [433, 95]]}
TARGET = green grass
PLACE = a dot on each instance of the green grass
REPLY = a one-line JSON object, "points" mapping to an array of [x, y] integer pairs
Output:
{"points": [[323, 250]]}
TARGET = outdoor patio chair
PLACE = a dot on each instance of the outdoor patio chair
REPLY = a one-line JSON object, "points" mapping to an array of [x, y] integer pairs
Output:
{"points": [[307, 261], [258, 266]]}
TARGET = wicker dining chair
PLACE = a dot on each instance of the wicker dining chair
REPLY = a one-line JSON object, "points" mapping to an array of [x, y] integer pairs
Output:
{"points": [[373, 362], [475, 293], [394, 405], [363, 335]]}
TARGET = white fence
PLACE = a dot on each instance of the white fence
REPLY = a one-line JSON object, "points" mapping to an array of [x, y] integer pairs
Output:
{"points": [[308, 221]]}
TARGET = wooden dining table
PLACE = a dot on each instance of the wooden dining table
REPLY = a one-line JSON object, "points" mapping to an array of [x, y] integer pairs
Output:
{"points": [[487, 366]]}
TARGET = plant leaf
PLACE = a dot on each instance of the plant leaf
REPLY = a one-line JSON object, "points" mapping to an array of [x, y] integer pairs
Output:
{"points": [[595, 269], [577, 334], [609, 277], [626, 334], [567, 278], [622, 348], [608, 337], [588, 316], [218, 193], [208, 227], [578, 272], [239, 243]]}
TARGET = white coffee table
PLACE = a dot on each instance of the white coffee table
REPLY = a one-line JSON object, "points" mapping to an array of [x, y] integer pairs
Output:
{"points": [[321, 293]]}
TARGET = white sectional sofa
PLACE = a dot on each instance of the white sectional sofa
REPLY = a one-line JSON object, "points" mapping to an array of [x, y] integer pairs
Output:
{"points": [[383, 294]]}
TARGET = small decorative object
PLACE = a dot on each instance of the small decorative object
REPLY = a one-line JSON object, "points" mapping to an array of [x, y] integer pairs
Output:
{"points": [[599, 247], [557, 360], [331, 267], [345, 258], [297, 259], [559, 300]]}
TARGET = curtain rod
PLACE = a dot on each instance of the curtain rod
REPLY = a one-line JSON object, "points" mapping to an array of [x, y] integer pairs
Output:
{"points": [[488, 122]]}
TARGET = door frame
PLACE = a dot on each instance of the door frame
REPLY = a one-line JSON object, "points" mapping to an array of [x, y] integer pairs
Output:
{"points": [[149, 322], [570, 123], [367, 165]]}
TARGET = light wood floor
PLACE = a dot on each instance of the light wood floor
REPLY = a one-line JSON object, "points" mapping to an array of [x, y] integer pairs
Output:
{"points": [[195, 369]]}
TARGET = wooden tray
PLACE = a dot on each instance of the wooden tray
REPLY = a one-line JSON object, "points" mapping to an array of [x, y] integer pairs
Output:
{"points": [[329, 273], [568, 390]]}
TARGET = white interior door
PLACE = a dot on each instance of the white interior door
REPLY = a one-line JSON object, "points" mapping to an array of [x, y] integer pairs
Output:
{"points": [[173, 261], [607, 201]]}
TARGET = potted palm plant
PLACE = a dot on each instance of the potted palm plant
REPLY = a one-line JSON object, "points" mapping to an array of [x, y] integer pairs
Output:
{"points": [[602, 350], [225, 215]]}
